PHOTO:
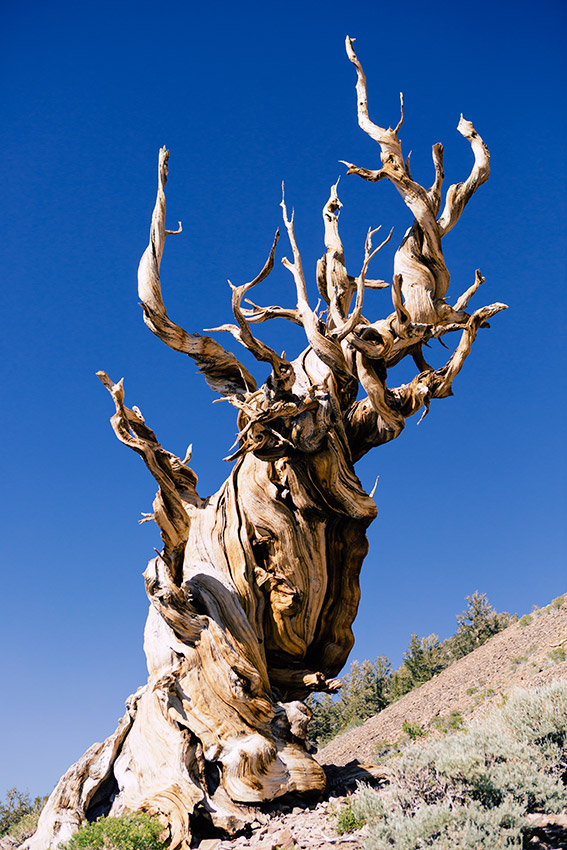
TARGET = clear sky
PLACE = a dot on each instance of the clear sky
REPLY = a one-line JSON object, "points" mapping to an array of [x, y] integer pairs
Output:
{"points": [[245, 95]]}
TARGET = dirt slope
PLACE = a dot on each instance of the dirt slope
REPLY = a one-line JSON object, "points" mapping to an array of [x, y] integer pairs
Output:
{"points": [[517, 657]]}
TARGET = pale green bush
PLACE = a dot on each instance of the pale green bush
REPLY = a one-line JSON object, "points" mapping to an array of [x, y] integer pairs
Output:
{"points": [[515, 752], [471, 789], [440, 827]]}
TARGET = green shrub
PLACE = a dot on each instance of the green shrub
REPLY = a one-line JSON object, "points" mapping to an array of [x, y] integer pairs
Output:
{"points": [[558, 601], [413, 730], [557, 655], [483, 696], [132, 831], [349, 819], [450, 723], [525, 620], [26, 826]]}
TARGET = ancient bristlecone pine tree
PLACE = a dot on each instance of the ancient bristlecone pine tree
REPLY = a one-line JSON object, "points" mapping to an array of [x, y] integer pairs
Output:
{"points": [[255, 591]]}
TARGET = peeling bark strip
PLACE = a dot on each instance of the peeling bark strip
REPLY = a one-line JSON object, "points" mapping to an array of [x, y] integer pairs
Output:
{"points": [[255, 591]]}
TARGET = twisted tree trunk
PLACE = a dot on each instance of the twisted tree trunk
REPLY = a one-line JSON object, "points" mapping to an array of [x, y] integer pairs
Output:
{"points": [[254, 594]]}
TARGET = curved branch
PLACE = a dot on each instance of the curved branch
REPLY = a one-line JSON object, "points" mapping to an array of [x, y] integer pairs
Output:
{"points": [[466, 296], [438, 383], [327, 350], [434, 194], [361, 284], [263, 314], [401, 315], [222, 371], [337, 291], [459, 194], [387, 139], [177, 482], [441, 384], [381, 416], [419, 260], [394, 167], [282, 368]]}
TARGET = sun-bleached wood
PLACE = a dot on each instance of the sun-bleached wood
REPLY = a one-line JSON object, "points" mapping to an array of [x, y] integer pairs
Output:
{"points": [[254, 593]]}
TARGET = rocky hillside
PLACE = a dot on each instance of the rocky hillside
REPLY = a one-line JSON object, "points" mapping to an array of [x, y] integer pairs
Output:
{"points": [[526, 654], [523, 655]]}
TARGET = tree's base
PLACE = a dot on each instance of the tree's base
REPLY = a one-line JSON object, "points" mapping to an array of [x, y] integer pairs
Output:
{"points": [[151, 763]]}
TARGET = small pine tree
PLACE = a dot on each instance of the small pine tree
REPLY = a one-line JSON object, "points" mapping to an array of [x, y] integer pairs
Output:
{"points": [[401, 683], [423, 659], [325, 722], [365, 692], [16, 807], [476, 624]]}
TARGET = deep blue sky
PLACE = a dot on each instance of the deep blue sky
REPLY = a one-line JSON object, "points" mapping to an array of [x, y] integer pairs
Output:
{"points": [[246, 95]]}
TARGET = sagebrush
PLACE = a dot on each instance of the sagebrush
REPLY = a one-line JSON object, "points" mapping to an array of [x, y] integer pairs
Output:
{"points": [[472, 789]]}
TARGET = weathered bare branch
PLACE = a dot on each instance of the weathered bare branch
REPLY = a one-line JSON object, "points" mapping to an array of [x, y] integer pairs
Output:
{"points": [[381, 416], [387, 139], [221, 369], [338, 292], [442, 385], [401, 315], [459, 194], [466, 296], [282, 369], [407, 165], [371, 175], [434, 193], [438, 383], [263, 314], [398, 126], [375, 284], [328, 351], [420, 260], [349, 324], [177, 482]]}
